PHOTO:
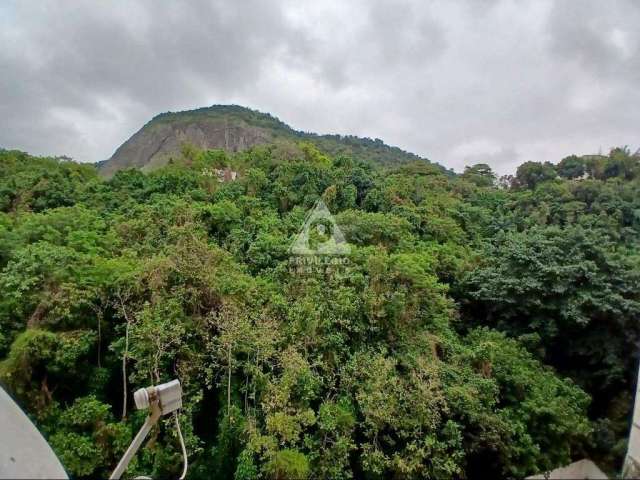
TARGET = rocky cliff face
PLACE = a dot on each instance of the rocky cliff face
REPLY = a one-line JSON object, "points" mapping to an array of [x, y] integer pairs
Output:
{"points": [[154, 144], [232, 128]]}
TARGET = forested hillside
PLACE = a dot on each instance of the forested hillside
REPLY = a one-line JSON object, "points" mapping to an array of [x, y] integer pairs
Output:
{"points": [[234, 128], [477, 329]]}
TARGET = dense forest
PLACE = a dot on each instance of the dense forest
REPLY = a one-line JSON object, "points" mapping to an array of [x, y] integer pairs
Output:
{"points": [[479, 327]]}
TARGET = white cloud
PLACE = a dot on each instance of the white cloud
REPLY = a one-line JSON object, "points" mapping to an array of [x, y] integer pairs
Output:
{"points": [[458, 82]]}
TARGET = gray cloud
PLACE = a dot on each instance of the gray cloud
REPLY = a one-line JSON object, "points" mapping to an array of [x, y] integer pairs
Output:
{"points": [[459, 82]]}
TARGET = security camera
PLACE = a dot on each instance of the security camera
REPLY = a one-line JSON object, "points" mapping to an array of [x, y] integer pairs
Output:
{"points": [[160, 400], [168, 395]]}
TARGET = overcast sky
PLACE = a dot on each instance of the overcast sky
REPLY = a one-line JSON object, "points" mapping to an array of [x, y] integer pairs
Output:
{"points": [[500, 82]]}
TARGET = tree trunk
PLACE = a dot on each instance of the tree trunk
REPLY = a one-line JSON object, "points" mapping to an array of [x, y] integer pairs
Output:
{"points": [[125, 355], [229, 382]]}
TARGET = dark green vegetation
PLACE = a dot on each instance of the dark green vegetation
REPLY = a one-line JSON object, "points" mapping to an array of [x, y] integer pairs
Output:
{"points": [[476, 332], [234, 128]]}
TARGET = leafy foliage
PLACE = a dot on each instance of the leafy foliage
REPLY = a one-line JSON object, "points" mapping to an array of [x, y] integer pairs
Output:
{"points": [[464, 337]]}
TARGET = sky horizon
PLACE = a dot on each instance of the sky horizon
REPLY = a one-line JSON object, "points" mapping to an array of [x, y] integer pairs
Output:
{"points": [[498, 81]]}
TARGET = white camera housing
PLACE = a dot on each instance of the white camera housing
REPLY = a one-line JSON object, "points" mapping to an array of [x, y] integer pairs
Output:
{"points": [[168, 395], [160, 400]]}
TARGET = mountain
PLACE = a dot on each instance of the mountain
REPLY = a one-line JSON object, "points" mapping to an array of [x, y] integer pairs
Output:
{"points": [[234, 128]]}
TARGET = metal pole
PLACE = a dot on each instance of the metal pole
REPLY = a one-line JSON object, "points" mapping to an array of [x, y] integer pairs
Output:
{"points": [[631, 466], [151, 420]]}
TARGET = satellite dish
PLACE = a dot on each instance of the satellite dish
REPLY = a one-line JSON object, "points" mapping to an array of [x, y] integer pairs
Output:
{"points": [[24, 453]]}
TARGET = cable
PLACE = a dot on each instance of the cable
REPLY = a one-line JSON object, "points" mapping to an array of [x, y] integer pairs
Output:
{"points": [[184, 450]]}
